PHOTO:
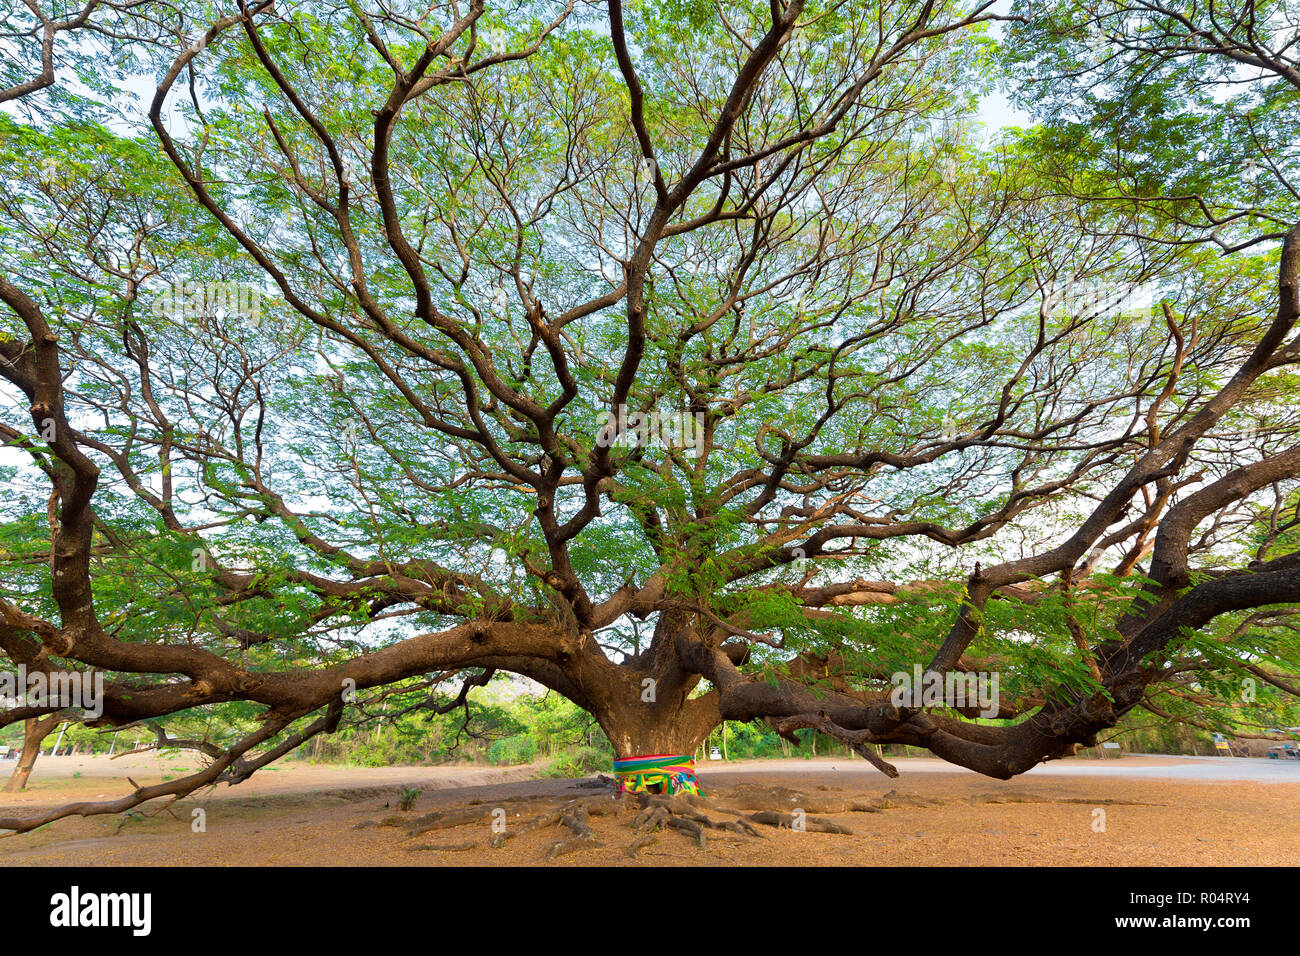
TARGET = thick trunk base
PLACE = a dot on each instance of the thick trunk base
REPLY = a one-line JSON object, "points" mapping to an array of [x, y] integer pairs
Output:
{"points": [[682, 734]]}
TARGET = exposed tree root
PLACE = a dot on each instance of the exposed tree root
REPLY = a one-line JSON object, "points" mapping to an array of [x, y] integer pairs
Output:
{"points": [[684, 814], [784, 800], [544, 820], [751, 809], [445, 819], [774, 818], [656, 816], [574, 816], [644, 840]]}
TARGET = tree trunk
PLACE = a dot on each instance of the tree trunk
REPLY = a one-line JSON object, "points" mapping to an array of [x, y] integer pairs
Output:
{"points": [[638, 728], [34, 733], [647, 708], [631, 737]]}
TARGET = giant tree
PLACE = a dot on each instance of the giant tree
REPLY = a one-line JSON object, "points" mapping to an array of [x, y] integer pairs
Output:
{"points": [[695, 361]]}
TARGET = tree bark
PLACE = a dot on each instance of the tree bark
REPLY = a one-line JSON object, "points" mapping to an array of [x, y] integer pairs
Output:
{"points": [[670, 723], [636, 730], [35, 731]]}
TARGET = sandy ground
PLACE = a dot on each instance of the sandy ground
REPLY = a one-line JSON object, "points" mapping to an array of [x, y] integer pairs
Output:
{"points": [[1157, 811]]}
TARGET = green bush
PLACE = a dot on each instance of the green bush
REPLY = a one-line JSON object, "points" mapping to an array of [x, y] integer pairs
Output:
{"points": [[579, 762], [513, 750]]}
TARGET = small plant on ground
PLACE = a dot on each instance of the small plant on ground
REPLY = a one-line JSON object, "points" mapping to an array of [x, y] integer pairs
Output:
{"points": [[580, 762]]}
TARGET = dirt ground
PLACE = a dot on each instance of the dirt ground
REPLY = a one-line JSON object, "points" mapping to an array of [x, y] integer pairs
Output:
{"points": [[1157, 811]]}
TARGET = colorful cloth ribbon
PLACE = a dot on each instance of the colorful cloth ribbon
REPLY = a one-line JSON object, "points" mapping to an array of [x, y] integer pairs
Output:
{"points": [[675, 773]]}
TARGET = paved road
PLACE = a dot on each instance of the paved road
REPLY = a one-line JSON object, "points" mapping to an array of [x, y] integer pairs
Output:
{"points": [[1201, 769]]}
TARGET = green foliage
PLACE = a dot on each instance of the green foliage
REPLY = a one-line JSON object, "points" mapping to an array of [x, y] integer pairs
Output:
{"points": [[580, 762], [513, 750], [501, 731]]}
